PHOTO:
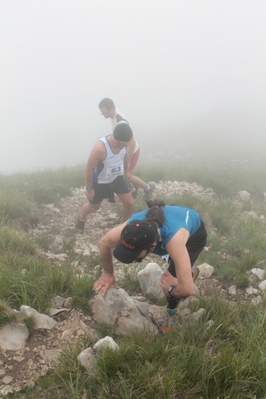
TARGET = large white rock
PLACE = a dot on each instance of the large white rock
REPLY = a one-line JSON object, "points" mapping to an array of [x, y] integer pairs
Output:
{"points": [[87, 359], [14, 336], [42, 320], [118, 309], [106, 342], [260, 273], [262, 285], [251, 290], [149, 280], [206, 270]]}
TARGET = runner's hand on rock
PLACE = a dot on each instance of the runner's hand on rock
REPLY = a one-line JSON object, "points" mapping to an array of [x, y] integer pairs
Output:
{"points": [[104, 283]]}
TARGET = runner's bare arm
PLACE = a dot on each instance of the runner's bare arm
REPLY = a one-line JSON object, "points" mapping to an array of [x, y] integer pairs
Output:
{"points": [[97, 154], [128, 156], [126, 164], [130, 148], [177, 250], [107, 243]]}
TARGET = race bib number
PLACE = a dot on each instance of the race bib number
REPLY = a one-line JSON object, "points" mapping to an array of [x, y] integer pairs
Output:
{"points": [[115, 170]]}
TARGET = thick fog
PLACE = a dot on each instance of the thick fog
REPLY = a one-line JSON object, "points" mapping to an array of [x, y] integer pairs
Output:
{"points": [[176, 68]]}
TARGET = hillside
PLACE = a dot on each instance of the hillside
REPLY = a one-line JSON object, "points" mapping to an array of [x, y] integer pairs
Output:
{"points": [[56, 225]]}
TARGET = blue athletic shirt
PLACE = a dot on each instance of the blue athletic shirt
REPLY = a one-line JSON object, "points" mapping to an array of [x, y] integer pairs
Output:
{"points": [[176, 217]]}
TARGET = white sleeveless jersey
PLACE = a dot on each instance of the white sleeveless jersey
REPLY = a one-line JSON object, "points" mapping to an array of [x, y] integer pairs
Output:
{"points": [[112, 166]]}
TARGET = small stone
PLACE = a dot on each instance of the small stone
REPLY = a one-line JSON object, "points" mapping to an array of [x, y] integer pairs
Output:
{"points": [[262, 285], [7, 379], [256, 300], [232, 290], [18, 359], [4, 390]]}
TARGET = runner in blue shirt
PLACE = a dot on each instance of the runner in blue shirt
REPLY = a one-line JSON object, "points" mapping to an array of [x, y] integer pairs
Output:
{"points": [[162, 229]]}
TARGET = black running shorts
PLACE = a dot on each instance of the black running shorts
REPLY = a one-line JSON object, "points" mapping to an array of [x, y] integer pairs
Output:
{"points": [[195, 245], [102, 191]]}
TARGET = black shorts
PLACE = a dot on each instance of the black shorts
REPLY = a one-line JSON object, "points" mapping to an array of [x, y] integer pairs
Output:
{"points": [[118, 186], [195, 245]]}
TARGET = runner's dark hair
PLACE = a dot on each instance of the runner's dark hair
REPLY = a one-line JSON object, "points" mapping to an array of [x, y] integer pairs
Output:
{"points": [[122, 131], [107, 103], [155, 213]]}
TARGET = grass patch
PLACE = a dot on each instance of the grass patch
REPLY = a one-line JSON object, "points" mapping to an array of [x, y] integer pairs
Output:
{"points": [[17, 209], [7, 315], [44, 186], [218, 362], [22, 194], [36, 282], [129, 282], [30, 323], [13, 241], [81, 293]]}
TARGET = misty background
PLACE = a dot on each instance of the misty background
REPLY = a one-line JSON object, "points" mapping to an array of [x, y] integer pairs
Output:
{"points": [[189, 75]]}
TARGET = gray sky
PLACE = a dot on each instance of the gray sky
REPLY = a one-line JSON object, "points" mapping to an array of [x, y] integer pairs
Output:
{"points": [[172, 67]]}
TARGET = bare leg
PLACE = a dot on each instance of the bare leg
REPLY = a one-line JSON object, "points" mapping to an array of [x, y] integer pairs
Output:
{"points": [[127, 205], [87, 209], [137, 182]]}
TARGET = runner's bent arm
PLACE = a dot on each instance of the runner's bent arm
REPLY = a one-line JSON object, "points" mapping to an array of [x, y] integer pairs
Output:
{"points": [[130, 148], [97, 154], [126, 164], [130, 151], [177, 250], [107, 243]]}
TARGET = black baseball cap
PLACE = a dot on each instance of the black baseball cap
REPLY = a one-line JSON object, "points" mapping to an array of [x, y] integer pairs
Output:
{"points": [[135, 237]]}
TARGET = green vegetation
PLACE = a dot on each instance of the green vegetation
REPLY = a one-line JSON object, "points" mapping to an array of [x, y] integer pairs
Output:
{"points": [[7, 315], [225, 360], [22, 194], [28, 279], [30, 323]]}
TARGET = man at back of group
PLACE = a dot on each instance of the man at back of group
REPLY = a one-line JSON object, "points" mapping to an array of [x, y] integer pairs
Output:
{"points": [[108, 110], [104, 173]]}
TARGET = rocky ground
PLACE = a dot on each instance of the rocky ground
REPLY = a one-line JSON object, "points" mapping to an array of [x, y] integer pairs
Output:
{"points": [[57, 223]]}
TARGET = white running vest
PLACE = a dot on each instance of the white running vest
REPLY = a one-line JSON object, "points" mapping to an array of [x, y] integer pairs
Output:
{"points": [[112, 166]]}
